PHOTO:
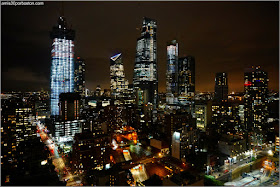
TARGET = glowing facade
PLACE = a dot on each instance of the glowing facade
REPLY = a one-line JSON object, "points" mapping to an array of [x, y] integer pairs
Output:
{"points": [[62, 69], [119, 85], [172, 73], [145, 78]]}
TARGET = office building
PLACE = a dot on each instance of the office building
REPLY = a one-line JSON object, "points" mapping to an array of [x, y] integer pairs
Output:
{"points": [[62, 68], [172, 73], [186, 76], [255, 102], [69, 123], [89, 151], [25, 128], [145, 76], [69, 106], [119, 85], [203, 114], [184, 142], [221, 87], [80, 83]]}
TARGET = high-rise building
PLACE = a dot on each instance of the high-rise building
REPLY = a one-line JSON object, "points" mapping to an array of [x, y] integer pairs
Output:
{"points": [[25, 128], [119, 85], [221, 87], [145, 76], [62, 69], [184, 142], [98, 91], [186, 76], [69, 106], [203, 114], [255, 100], [70, 122], [172, 73], [80, 77]]}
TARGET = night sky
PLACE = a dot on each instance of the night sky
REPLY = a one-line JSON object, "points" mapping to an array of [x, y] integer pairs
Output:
{"points": [[222, 36]]}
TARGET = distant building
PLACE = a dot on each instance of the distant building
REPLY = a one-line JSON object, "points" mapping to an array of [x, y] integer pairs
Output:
{"points": [[17, 128], [80, 82], [145, 76], [25, 128], [227, 117], [186, 76], [256, 102], [221, 87], [175, 121], [184, 142], [232, 146], [62, 69], [89, 151], [98, 91], [69, 106], [277, 144], [203, 114], [172, 73], [119, 85], [69, 123]]}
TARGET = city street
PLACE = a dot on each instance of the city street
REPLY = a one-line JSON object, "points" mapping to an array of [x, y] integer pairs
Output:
{"points": [[57, 160], [225, 169], [256, 178]]}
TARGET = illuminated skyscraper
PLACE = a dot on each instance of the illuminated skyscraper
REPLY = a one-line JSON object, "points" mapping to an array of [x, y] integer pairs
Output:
{"points": [[221, 87], [62, 69], [80, 77], [145, 78], [172, 73], [186, 76], [119, 85], [255, 106]]}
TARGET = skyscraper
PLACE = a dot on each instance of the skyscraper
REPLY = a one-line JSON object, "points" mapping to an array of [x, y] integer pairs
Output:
{"points": [[62, 69], [221, 87], [80, 77], [186, 76], [172, 72], [119, 85], [145, 78], [255, 105]]}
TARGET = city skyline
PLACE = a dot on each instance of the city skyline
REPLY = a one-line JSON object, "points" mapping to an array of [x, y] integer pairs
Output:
{"points": [[218, 45], [109, 94]]}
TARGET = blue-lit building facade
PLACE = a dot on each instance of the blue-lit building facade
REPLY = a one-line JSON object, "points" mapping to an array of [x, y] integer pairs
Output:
{"points": [[172, 73], [62, 68], [145, 78]]}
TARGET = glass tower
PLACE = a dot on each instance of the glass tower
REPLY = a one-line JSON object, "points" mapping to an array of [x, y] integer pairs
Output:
{"points": [[221, 87], [119, 85], [186, 76], [145, 76], [62, 69], [80, 77], [256, 90], [172, 72]]}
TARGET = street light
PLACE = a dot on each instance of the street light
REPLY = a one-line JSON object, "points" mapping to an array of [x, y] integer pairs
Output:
{"points": [[270, 152]]}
